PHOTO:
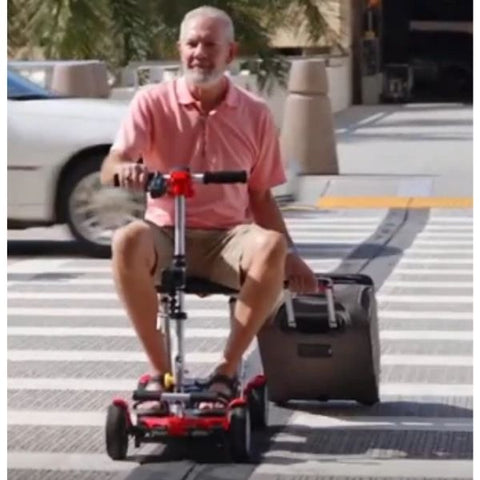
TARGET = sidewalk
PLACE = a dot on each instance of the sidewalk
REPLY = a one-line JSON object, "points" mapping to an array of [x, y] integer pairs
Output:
{"points": [[398, 155]]}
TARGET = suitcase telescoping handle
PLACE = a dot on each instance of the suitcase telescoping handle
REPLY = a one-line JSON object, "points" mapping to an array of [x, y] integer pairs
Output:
{"points": [[325, 287]]}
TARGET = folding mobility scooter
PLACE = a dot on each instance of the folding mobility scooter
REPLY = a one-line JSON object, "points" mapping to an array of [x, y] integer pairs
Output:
{"points": [[179, 415]]}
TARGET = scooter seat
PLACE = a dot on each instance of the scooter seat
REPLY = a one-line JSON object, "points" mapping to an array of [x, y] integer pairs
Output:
{"points": [[201, 286]]}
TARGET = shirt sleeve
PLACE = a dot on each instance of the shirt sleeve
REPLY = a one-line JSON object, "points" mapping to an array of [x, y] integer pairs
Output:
{"points": [[268, 170], [133, 138]]}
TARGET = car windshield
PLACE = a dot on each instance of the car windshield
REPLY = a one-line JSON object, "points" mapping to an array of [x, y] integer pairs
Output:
{"points": [[20, 88]]}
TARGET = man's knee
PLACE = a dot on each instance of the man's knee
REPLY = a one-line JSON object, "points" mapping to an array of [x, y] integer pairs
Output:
{"points": [[132, 245], [270, 246]]}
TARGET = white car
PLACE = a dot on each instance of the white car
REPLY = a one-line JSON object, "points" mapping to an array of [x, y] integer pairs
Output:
{"points": [[55, 149]]}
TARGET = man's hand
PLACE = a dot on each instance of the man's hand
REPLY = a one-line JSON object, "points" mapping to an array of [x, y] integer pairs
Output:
{"points": [[133, 176], [300, 276]]}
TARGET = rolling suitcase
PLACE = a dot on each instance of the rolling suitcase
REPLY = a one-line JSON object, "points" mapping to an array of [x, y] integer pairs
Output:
{"points": [[324, 346]]}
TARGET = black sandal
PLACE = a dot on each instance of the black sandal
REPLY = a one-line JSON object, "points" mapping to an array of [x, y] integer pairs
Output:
{"points": [[153, 383], [222, 398]]}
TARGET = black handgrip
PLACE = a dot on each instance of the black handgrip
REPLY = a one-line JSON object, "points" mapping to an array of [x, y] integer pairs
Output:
{"points": [[349, 278], [238, 176]]}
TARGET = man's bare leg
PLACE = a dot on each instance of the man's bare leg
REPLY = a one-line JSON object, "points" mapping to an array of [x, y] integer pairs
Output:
{"points": [[264, 267], [133, 260]]}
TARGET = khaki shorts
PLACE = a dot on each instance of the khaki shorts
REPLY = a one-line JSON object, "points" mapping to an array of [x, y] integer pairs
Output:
{"points": [[214, 255]]}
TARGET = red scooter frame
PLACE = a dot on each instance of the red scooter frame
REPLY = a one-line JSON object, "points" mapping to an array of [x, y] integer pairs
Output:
{"points": [[180, 396]]}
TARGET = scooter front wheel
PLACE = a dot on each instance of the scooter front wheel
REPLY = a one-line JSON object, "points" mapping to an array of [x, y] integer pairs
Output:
{"points": [[116, 432], [239, 434]]}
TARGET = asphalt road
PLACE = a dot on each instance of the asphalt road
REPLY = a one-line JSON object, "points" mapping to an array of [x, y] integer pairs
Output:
{"points": [[70, 351]]}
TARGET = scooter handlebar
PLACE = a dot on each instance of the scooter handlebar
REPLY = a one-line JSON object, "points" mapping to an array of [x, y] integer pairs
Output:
{"points": [[223, 176], [235, 176]]}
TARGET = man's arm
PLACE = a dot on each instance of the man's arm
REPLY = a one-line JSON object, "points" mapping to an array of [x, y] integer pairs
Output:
{"points": [[267, 214], [110, 167]]}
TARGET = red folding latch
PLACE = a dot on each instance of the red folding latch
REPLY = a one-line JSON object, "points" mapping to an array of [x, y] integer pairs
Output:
{"points": [[180, 184]]}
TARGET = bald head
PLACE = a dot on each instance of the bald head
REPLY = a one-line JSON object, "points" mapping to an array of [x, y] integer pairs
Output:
{"points": [[210, 13]]}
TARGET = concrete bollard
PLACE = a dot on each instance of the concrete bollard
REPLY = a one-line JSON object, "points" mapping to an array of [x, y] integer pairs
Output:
{"points": [[81, 79], [308, 133]]}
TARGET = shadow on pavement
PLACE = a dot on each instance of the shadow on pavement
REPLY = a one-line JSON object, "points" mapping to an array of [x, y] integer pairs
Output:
{"points": [[51, 248], [286, 445]]}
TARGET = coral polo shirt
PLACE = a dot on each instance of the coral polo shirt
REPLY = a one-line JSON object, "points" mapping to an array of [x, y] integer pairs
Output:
{"points": [[166, 129]]}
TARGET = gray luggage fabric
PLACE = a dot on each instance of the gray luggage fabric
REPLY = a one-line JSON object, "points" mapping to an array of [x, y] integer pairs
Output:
{"points": [[312, 360]]}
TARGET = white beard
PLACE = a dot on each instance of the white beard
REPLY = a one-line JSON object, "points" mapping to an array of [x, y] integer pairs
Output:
{"points": [[202, 77]]}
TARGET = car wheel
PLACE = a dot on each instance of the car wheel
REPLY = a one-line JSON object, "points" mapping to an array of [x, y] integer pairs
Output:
{"points": [[92, 211]]}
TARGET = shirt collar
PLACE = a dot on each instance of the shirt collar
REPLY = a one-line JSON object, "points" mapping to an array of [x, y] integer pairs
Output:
{"points": [[185, 97]]}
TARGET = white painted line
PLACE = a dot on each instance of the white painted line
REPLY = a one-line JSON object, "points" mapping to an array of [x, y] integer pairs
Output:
{"points": [[436, 261], [426, 390], [209, 357], [443, 228], [62, 296], [67, 281], [384, 297], [333, 227], [448, 283], [102, 312], [311, 220], [360, 466], [126, 384], [218, 333], [37, 265], [427, 360], [443, 243], [441, 424], [417, 251], [446, 235], [329, 236], [433, 271], [427, 315], [97, 419], [444, 219], [56, 418], [107, 332], [66, 462], [99, 356], [441, 335]]}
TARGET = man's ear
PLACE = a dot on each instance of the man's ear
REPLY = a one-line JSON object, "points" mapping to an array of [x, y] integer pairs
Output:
{"points": [[233, 52]]}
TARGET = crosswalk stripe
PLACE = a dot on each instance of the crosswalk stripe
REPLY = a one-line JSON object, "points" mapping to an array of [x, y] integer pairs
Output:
{"points": [[107, 332], [443, 335], [97, 419], [384, 297], [436, 261], [404, 270], [357, 466], [212, 357], [453, 284], [126, 384], [427, 360], [102, 312], [424, 315], [99, 356], [219, 313], [90, 462]]}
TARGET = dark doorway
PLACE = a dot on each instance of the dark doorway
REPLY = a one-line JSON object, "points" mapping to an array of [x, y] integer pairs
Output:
{"points": [[432, 40]]}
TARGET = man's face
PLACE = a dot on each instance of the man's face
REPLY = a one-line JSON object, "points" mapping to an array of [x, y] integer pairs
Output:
{"points": [[205, 51]]}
